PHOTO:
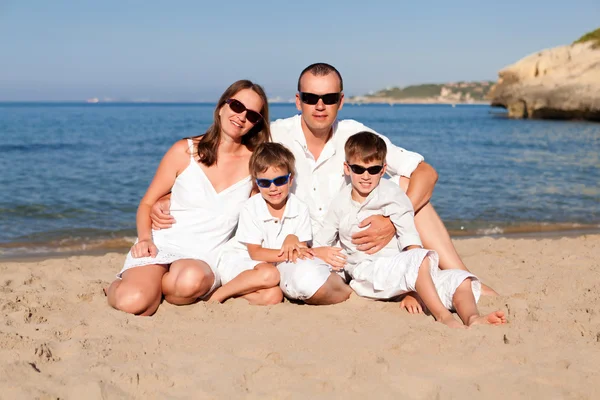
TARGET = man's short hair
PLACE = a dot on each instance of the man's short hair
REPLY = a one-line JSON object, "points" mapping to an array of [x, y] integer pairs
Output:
{"points": [[321, 69], [366, 147], [273, 155]]}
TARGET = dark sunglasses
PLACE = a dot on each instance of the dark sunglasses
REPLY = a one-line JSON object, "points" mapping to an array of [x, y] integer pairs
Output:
{"points": [[312, 99], [359, 170], [279, 181], [238, 107]]}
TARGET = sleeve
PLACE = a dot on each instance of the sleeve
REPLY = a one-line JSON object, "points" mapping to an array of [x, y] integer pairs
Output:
{"points": [[249, 229], [327, 235], [400, 162], [304, 230], [399, 208]]}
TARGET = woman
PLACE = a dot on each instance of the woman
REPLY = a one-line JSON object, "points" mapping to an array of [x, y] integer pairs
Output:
{"points": [[209, 180]]}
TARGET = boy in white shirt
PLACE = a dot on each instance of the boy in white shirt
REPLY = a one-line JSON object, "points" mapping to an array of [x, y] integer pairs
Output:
{"points": [[402, 266], [274, 226]]}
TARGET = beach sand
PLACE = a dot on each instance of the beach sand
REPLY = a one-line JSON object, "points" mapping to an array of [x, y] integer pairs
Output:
{"points": [[59, 338]]}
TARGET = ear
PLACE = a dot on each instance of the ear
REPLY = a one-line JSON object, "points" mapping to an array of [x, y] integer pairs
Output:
{"points": [[298, 102], [291, 181], [384, 169], [341, 101], [346, 169]]}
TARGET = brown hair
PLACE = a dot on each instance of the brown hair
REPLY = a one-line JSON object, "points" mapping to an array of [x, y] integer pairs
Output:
{"points": [[260, 132], [365, 146], [273, 155], [321, 69]]}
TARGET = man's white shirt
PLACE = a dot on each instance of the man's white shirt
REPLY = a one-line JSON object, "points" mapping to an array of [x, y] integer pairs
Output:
{"points": [[318, 182]]}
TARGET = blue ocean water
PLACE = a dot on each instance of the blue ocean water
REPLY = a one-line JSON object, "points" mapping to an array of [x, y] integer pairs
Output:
{"points": [[73, 174]]}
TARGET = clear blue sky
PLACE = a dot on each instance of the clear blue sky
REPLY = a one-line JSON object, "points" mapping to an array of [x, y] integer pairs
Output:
{"points": [[192, 50]]}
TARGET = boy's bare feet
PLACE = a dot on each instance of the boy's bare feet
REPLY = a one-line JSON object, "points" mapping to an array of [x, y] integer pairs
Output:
{"points": [[451, 322], [488, 291], [411, 302], [495, 318]]}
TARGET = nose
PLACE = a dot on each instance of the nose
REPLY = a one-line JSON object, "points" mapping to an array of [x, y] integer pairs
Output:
{"points": [[320, 105]]}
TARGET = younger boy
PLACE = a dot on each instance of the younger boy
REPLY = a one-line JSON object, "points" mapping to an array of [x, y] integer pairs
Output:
{"points": [[274, 226], [403, 265]]}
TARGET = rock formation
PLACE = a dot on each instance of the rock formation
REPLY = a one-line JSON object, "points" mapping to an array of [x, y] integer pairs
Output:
{"points": [[558, 83]]}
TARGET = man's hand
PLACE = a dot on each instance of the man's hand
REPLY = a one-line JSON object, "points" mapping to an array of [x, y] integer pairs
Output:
{"points": [[144, 248], [160, 214], [376, 236], [331, 255]]}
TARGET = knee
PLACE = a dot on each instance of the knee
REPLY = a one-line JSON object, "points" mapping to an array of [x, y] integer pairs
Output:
{"points": [[269, 276], [192, 283], [135, 300]]}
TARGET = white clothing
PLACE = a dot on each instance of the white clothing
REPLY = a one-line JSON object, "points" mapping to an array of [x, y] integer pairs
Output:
{"points": [[257, 226], [205, 219], [318, 182]]}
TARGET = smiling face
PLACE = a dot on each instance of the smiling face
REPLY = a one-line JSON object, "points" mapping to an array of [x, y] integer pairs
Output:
{"points": [[363, 184], [275, 196], [235, 125], [319, 117]]}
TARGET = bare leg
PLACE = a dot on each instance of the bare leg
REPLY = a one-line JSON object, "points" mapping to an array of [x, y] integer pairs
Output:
{"points": [[426, 290], [466, 307], [265, 297], [263, 276], [186, 281], [139, 292], [333, 291]]}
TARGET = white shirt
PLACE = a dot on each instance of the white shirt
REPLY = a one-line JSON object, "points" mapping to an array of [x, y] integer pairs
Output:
{"points": [[318, 182], [387, 199], [258, 226]]}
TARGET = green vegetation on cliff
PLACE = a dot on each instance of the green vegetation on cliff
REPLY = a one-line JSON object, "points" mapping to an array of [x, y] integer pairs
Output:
{"points": [[593, 36], [455, 91]]}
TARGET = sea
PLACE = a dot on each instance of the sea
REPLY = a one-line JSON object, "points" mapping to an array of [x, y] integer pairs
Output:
{"points": [[72, 174]]}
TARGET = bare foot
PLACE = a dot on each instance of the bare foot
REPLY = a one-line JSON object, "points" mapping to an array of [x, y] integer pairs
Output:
{"points": [[495, 318], [488, 291], [411, 302], [451, 322]]}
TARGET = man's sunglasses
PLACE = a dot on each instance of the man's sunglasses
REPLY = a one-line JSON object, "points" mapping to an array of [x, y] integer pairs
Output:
{"points": [[279, 181], [238, 107], [312, 99], [359, 170]]}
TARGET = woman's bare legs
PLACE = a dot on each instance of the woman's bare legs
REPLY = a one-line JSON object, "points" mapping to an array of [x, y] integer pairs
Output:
{"points": [[187, 281], [139, 292], [260, 286], [466, 307], [435, 236]]}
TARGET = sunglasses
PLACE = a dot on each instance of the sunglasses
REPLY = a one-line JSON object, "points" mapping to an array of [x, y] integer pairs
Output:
{"points": [[312, 99], [238, 107], [279, 181], [359, 170]]}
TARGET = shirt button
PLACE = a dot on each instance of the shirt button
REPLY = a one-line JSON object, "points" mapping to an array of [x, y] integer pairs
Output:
{"points": [[320, 209], [276, 221], [315, 189]]}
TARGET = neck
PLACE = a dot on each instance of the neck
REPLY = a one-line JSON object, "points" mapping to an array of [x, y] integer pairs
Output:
{"points": [[229, 145], [316, 135], [359, 197]]}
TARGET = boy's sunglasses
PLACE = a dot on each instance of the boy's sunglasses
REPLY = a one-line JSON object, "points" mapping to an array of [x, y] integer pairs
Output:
{"points": [[359, 170], [312, 99], [279, 181], [238, 107]]}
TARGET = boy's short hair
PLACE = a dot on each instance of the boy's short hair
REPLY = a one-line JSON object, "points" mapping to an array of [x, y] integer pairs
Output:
{"points": [[366, 147], [273, 155]]}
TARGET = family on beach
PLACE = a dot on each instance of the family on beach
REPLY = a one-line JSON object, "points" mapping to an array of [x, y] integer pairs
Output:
{"points": [[295, 208]]}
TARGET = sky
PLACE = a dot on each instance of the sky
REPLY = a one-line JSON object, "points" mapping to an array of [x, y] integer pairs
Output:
{"points": [[192, 50]]}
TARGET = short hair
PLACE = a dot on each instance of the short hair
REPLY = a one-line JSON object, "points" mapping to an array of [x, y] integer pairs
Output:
{"points": [[273, 155], [321, 69], [365, 146]]}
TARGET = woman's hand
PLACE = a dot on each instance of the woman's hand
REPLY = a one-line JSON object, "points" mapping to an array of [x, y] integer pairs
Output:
{"points": [[160, 214], [379, 233], [331, 255], [144, 248]]}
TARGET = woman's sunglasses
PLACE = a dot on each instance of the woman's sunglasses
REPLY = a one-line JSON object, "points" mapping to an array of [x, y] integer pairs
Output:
{"points": [[359, 170], [279, 181], [238, 107], [312, 99]]}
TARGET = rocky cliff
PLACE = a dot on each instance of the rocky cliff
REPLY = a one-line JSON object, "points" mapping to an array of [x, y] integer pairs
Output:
{"points": [[558, 83]]}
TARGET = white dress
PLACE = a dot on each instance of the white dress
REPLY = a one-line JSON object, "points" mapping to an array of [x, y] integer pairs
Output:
{"points": [[205, 219]]}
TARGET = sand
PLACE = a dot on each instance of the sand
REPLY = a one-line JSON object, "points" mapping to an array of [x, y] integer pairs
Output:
{"points": [[59, 338]]}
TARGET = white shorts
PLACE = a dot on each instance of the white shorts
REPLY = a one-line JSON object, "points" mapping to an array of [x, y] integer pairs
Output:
{"points": [[388, 277], [232, 263], [301, 280]]}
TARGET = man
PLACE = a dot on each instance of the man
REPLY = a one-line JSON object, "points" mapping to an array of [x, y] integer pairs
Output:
{"points": [[317, 138]]}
